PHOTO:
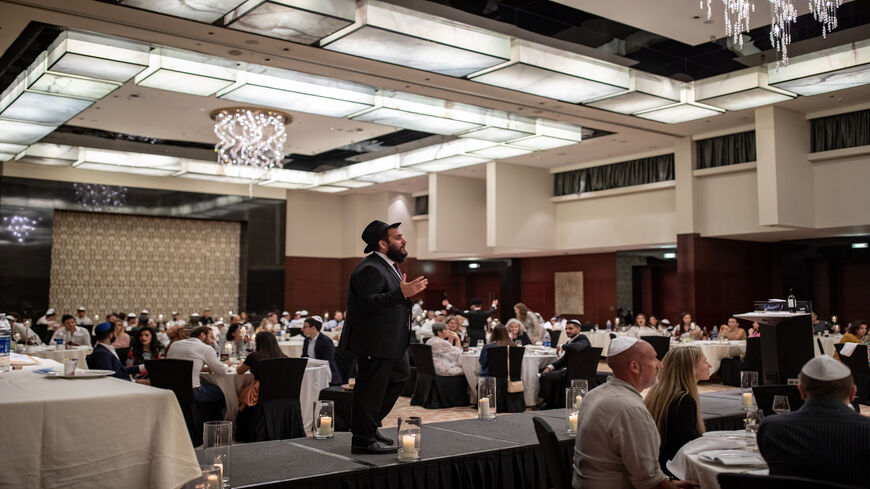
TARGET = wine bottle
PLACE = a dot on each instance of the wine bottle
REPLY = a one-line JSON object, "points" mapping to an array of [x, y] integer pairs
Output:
{"points": [[792, 301]]}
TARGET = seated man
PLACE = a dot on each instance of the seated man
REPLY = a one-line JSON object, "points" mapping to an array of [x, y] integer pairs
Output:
{"points": [[554, 377], [71, 334], [26, 335], [320, 346], [819, 326], [105, 357], [617, 441], [198, 349], [732, 330], [825, 439]]}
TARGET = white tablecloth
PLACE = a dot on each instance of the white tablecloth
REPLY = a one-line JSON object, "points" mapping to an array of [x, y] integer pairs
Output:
{"points": [[91, 433], [52, 353], [292, 347], [716, 351], [600, 339], [828, 343], [532, 363], [705, 473], [316, 378]]}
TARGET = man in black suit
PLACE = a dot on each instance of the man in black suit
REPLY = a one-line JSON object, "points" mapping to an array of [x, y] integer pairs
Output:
{"points": [[476, 318], [104, 356], [825, 439], [554, 376], [377, 330], [320, 346]]}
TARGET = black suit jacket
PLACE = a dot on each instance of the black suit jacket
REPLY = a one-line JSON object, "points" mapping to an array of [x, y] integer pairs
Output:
{"points": [[324, 350], [476, 319], [378, 315], [103, 359], [824, 439], [578, 342]]}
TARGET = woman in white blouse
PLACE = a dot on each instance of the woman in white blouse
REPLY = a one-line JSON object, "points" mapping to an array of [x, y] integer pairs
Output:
{"points": [[445, 350]]}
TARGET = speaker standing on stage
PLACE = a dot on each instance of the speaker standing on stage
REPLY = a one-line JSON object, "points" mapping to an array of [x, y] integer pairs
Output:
{"points": [[377, 330]]}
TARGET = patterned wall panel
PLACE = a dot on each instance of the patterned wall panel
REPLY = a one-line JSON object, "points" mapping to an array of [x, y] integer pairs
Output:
{"points": [[111, 262]]}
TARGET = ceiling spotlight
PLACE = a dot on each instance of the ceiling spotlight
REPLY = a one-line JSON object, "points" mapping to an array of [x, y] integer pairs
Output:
{"points": [[859, 245], [670, 256], [473, 265]]}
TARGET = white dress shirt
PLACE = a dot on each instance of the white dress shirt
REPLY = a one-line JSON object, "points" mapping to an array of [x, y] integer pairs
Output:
{"points": [[80, 336], [311, 343], [199, 353], [26, 333]]}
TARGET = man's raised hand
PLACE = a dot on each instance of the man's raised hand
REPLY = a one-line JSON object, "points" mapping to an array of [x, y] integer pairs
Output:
{"points": [[414, 287]]}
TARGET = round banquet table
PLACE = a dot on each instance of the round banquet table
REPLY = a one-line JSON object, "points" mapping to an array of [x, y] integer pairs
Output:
{"points": [[316, 378], [600, 339], [716, 351], [534, 359], [292, 347], [51, 353], [828, 343], [705, 473]]}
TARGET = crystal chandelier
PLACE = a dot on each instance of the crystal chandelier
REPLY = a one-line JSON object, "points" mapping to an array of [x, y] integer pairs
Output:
{"points": [[97, 197], [783, 14], [250, 137], [20, 227]]}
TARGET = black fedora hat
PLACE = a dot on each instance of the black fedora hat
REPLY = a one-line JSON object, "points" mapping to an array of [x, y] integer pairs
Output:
{"points": [[374, 232], [475, 301]]}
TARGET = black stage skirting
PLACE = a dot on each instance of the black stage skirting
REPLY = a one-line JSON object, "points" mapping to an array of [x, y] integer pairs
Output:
{"points": [[471, 454]]}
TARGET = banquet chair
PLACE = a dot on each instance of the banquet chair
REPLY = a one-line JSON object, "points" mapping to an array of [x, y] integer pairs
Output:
{"points": [[555, 334], [342, 399], [41, 330], [661, 344], [730, 368], [557, 469], [858, 364], [582, 364], [735, 480], [507, 402], [821, 346], [764, 397], [433, 391], [295, 331], [277, 414], [175, 375]]}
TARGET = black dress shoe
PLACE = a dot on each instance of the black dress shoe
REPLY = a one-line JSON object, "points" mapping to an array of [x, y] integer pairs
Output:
{"points": [[383, 439], [375, 447]]}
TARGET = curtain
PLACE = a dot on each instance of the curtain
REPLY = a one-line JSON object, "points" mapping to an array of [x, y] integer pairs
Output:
{"points": [[726, 150], [840, 131], [421, 205], [615, 175]]}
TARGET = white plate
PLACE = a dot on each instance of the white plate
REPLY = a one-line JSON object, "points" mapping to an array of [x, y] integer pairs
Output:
{"points": [[81, 374], [732, 457], [739, 434]]}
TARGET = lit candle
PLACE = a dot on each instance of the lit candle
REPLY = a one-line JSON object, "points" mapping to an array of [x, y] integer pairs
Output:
{"points": [[325, 425], [572, 422], [213, 482], [483, 404], [747, 399], [220, 466], [409, 447], [578, 401]]}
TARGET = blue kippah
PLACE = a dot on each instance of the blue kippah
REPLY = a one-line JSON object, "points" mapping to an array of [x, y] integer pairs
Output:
{"points": [[103, 327]]}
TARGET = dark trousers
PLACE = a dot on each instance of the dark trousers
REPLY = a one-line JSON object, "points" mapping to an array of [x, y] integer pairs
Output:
{"points": [[378, 384], [553, 388], [474, 335]]}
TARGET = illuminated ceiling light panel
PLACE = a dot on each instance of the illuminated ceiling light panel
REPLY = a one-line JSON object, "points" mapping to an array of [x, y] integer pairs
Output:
{"points": [[291, 186], [646, 91], [553, 73], [48, 109], [290, 90], [12, 148], [51, 154], [682, 112], [495, 134], [442, 150], [739, 90], [404, 37], [187, 72], [219, 178], [501, 151], [123, 158], [450, 163], [18, 132], [281, 175], [329, 189], [825, 71], [391, 176], [96, 56], [353, 184], [541, 143], [421, 113], [302, 21], [6, 156], [206, 11], [384, 163], [561, 130], [156, 172], [75, 86]]}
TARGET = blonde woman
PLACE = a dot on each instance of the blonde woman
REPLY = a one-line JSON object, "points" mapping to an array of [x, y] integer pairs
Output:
{"points": [[530, 322], [673, 400]]}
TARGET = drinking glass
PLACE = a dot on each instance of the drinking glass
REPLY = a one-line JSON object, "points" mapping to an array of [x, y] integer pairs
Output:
{"points": [[324, 419], [409, 430], [217, 439], [752, 420], [519, 343], [581, 384], [486, 398], [480, 343], [69, 366], [780, 404]]}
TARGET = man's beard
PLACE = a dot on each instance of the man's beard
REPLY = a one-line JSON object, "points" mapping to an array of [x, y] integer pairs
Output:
{"points": [[396, 254]]}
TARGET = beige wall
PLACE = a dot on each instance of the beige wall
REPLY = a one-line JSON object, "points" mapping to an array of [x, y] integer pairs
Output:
{"points": [[457, 215], [519, 212], [841, 195], [315, 225], [358, 211]]}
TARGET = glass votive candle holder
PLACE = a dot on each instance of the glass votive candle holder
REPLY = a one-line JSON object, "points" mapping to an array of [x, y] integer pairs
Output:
{"points": [[324, 419], [486, 398], [581, 384], [217, 440], [409, 430], [210, 478], [573, 401]]}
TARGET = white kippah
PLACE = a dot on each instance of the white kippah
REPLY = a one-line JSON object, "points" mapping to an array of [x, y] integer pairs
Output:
{"points": [[620, 344], [825, 368], [317, 318]]}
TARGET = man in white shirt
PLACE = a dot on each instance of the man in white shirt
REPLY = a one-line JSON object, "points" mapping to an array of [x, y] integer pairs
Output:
{"points": [[26, 335], [71, 334], [49, 319], [299, 319], [198, 348], [176, 320], [285, 320], [132, 321], [82, 318]]}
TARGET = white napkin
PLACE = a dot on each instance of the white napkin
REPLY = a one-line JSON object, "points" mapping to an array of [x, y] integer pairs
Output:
{"points": [[731, 457], [677, 466], [848, 349]]}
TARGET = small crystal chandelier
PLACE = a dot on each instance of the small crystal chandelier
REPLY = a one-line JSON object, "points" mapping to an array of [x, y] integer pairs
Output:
{"points": [[825, 11], [96, 197], [250, 137], [20, 227]]}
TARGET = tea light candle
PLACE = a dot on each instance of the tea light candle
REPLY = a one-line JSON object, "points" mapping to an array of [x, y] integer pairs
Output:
{"points": [[409, 448], [747, 399], [572, 422], [325, 425], [483, 404], [578, 401], [213, 482]]}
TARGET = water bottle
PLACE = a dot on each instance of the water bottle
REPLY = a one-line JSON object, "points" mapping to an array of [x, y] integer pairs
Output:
{"points": [[547, 341], [5, 343], [715, 332], [608, 325]]}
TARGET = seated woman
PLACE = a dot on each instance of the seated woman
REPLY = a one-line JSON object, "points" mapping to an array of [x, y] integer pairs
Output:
{"points": [[754, 330], [688, 327], [145, 346], [854, 333], [453, 324], [732, 330], [640, 328], [499, 337], [517, 333], [445, 350], [265, 325], [122, 339], [234, 335], [673, 400], [250, 420], [267, 348]]}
